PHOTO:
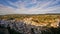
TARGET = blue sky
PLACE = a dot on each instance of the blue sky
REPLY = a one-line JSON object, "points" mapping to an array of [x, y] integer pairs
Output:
{"points": [[29, 6]]}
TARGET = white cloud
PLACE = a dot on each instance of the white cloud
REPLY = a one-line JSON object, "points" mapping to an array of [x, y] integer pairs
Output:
{"points": [[6, 10], [40, 8]]}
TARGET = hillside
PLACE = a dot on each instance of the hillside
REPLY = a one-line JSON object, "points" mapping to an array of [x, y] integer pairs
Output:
{"points": [[30, 24], [37, 20]]}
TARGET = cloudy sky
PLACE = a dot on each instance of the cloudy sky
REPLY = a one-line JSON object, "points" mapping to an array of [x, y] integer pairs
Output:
{"points": [[29, 6]]}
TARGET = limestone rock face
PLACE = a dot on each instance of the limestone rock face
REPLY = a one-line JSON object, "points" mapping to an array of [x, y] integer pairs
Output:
{"points": [[23, 28], [36, 23]]}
